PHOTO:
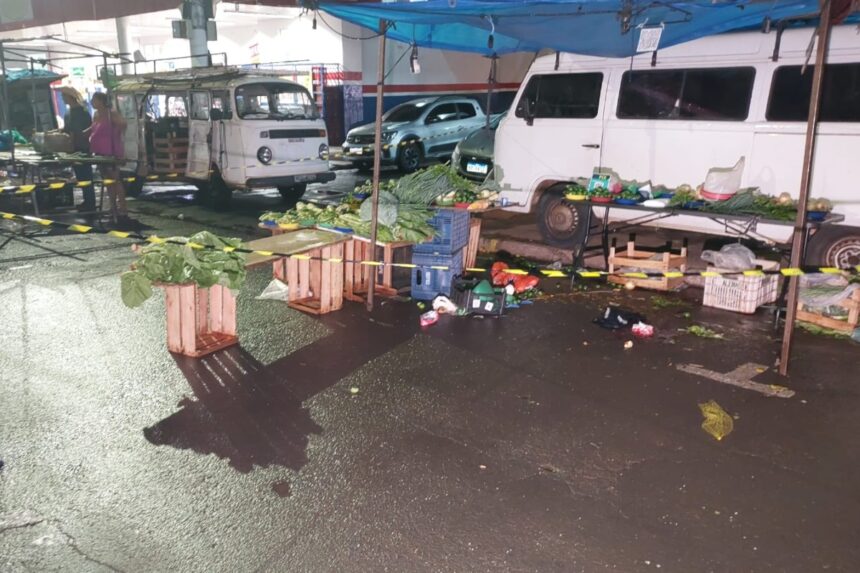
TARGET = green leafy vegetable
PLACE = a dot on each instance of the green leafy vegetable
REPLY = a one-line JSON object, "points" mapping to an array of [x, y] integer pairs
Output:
{"points": [[176, 262]]}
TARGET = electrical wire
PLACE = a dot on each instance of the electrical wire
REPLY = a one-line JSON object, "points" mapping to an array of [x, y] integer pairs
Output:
{"points": [[347, 36]]}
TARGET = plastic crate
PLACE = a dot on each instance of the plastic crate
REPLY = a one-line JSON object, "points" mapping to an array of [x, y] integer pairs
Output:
{"points": [[741, 293], [427, 282], [452, 232]]}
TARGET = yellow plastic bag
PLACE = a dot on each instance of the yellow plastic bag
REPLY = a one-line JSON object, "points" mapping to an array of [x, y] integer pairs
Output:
{"points": [[717, 422]]}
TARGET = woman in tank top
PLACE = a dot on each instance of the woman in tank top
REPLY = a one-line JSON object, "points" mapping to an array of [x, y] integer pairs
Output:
{"points": [[106, 140]]}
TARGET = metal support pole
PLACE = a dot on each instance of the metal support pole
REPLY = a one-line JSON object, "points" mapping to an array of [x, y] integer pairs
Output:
{"points": [[7, 122], [797, 245], [377, 155], [491, 82], [33, 96], [197, 38]]}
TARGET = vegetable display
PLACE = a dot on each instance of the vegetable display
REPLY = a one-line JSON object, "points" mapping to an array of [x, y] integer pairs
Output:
{"points": [[177, 262]]}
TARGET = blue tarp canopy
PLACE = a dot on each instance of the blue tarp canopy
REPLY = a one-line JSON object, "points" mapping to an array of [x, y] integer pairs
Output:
{"points": [[608, 28]]}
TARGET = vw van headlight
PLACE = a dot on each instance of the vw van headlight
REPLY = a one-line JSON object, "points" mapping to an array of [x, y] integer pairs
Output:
{"points": [[264, 154]]}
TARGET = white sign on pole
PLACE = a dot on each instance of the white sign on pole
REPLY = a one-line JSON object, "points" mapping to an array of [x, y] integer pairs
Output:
{"points": [[649, 39]]}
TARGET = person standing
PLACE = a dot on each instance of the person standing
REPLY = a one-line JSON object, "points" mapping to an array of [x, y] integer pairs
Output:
{"points": [[75, 123], [106, 140]]}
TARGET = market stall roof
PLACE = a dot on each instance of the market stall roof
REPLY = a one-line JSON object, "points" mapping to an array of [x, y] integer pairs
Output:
{"points": [[39, 76], [609, 28]]}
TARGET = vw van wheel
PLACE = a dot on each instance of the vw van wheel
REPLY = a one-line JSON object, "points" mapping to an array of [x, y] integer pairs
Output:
{"points": [[561, 224], [409, 158], [214, 193], [835, 247], [134, 188], [291, 194]]}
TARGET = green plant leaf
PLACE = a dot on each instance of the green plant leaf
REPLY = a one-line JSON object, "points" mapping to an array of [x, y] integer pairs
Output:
{"points": [[135, 288]]}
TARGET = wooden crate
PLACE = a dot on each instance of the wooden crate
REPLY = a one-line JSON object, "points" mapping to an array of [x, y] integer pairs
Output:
{"points": [[199, 321], [645, 259], [171, 154], [358, 276], [315, 281], [851, 304]]}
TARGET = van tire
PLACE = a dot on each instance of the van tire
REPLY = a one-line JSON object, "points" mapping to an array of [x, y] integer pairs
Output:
{"points": [[291, 194], [133, 188], [409, 157], [561, 223], [214, 193], [835, 246]]}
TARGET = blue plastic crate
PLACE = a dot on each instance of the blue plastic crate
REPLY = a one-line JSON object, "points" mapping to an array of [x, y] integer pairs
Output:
{"points": [[452, 232], [427, 282]]}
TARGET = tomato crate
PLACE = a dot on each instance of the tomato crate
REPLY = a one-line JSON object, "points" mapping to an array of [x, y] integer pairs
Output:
{"points": [[434, 274], [452, 232], [742, 293]]}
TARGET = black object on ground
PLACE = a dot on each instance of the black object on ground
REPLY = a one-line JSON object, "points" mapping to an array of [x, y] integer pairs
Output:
{"points": [[615, 318]]}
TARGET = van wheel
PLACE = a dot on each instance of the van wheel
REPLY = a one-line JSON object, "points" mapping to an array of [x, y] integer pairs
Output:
{"points": [[561, 223], [134, 188], [291, 194], [835, 247], [409, 157], [214, 193]]}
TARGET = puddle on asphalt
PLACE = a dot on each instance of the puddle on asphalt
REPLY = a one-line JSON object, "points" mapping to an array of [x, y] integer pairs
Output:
{"points": [[282, 488]]}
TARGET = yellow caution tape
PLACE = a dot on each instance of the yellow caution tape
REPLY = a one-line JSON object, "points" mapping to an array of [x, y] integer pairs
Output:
{"points": [[439, 268], [264, 253], [590, 274], [710, 274], [753, 273], [335, 261], [830, 270], [195, 245], [155, 240], [476, 270], [553, 274], [791, 272], [372, 263], [56, 185], [673, 275], [301, 257], [228, 249], [119, 234], [635, 275], [44, 222], [84, 183], [26, 188], [80, 228]]}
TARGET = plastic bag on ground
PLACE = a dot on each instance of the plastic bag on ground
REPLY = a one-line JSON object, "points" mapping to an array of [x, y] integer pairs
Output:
{"points": [[275, 290], [733, 257], [717, 422], [722, 183]]}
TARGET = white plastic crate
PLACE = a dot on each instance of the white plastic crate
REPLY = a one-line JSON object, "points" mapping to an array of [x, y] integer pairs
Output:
{"points": [[741, 293]]}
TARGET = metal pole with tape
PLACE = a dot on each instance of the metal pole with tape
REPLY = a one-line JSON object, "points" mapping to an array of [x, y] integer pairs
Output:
{"points": [[377, 153]]}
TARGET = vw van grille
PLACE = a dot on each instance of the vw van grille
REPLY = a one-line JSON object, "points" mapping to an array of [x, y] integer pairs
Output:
{"points": [[295, 133]]}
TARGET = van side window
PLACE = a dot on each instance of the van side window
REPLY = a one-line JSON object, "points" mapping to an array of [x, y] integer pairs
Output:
{"points": [[200, 105], [571, 96], [706, 94], [840, 94], [125, 105]]}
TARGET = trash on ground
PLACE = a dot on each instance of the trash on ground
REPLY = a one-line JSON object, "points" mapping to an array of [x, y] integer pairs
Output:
{"points": [[703, 332], [429, 318], [353, 390], [717, 422], [522, 282], [275, 290], [478, 297], [443, 305], [642, 330], [628, 345], [660, 302], [732, 257], [615, 318]]}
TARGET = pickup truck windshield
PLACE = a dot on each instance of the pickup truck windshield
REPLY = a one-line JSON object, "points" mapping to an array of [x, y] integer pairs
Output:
{"points": [[405, 112], [274, 101]]}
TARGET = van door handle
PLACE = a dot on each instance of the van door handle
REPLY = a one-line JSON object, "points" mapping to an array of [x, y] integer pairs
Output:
{"points": [[591, 145]]}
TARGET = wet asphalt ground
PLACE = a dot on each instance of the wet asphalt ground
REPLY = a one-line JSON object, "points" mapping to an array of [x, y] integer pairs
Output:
{"points": [[362, 442]]}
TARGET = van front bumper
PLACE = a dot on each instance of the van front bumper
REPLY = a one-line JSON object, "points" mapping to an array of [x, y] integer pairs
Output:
{"points": [[290, 180]]}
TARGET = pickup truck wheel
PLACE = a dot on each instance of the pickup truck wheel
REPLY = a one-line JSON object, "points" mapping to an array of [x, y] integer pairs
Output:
{"points": [[409, 157], [561, 223], [835, 247], [290, 194]]}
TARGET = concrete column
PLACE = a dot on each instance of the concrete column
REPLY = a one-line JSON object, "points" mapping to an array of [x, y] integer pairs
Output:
{"points": [[197, 33], [123, 44]]}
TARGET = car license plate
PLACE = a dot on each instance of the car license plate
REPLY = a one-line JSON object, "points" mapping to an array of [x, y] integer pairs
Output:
{"points": [[303, 178], [480, 168], [357, 151]]}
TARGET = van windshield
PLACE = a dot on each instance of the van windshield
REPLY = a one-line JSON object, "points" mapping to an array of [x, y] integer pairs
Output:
{"points": [[272, 100]]}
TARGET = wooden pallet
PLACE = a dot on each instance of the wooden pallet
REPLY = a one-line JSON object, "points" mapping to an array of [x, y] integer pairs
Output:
{"points": [[852, 305], [358, 276], [644, 259], [169, 165], [199, 321]]}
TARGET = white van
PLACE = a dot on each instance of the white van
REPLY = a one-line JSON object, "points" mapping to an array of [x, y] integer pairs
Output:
{"points": [[223, 129], [669, 117]]}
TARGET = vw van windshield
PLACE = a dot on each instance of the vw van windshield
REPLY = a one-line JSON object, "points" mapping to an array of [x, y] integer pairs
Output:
{"points": [[272, 100]]}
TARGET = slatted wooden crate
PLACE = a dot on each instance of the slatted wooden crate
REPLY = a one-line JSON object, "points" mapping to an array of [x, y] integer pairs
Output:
{"points": [[199, 321], [171, 154], [650, 261], [851, 304], [358, 276], [315, 279]]}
